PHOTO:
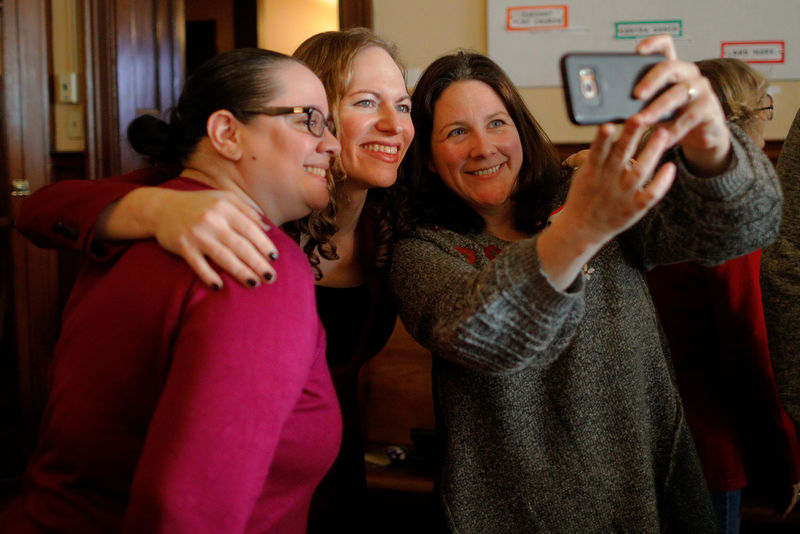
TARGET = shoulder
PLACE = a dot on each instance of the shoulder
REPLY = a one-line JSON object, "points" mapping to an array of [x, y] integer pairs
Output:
{"points": [[293, 286]]}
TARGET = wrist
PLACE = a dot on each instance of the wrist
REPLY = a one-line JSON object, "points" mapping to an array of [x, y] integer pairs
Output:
{"points": [[563, 251], [135, 215], [708, 162]]}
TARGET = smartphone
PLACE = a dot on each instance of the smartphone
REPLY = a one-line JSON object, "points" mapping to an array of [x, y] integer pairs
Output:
{"points": [[598, 86]]}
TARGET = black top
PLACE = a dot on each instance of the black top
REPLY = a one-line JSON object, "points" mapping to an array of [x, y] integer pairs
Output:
{"points": [[358, 322]]}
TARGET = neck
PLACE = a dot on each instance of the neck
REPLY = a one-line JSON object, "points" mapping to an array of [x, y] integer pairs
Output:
{"points": [[351, 200], [501, 225], [223, 174], [347, 271]]}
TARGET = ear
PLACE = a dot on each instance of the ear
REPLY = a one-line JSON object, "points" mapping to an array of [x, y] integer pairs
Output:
{"points": [[431, 167], [225, 134]]}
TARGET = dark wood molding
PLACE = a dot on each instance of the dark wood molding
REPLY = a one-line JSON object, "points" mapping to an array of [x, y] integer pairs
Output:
{"points": [[567, 149], [27, 156], [245, 23], [102, 116], [773, 149], [355, 13]]}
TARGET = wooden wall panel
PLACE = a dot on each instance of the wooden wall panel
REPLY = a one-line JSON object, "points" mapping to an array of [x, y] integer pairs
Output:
{"points": [[26, 157]]}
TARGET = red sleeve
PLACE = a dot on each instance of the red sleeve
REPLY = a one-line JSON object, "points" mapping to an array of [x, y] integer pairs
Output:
{"points": [[63, 214], [238, 370]]}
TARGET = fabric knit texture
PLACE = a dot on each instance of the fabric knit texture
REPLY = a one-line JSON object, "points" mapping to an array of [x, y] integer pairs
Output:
{"points": [[556, 410], [176, 408], [780, 280]]}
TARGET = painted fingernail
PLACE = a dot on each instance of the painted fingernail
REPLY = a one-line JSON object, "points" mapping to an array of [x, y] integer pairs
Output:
{"points": [[273, 255], [216, 287], [251, 282], [267, 276]]}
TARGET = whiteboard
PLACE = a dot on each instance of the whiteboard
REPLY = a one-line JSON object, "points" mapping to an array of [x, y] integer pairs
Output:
{"points": [[528, 38]]}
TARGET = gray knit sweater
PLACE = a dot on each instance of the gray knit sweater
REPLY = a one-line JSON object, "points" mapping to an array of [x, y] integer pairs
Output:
{"points": [[556, 410], [780, 280]]}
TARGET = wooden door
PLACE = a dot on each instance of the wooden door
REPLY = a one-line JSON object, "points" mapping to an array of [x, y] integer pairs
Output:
{"points": [[28, 273]]}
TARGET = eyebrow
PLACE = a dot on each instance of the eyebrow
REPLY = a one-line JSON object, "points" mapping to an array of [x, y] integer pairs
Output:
{"points": [[488, 118], [376, 94]]}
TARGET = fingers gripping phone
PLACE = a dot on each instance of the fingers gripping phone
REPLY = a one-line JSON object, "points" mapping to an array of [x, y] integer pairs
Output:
{"points": [[598, 87]]}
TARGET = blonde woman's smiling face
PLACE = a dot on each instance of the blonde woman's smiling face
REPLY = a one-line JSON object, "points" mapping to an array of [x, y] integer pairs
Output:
{"points": [[375, 126]]}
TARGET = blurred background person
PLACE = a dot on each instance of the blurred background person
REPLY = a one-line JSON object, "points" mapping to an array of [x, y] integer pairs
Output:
{"points": [[714, 321]]}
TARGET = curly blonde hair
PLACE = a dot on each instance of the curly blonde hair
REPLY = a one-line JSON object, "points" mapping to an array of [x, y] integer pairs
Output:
{"points": [[331, 55]]}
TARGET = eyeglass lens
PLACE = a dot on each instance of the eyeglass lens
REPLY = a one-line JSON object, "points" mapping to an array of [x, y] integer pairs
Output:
{"points": [[316, 122], [769, 108]]}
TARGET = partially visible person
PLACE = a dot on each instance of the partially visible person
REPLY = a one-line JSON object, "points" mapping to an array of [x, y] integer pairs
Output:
{"points": [[714, 322], [179, 408], [556, 409], [348, 242], [780, 279]]}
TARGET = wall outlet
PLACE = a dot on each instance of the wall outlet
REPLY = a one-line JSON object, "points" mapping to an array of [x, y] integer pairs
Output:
{"points": [[67, 87], [75, 124]]}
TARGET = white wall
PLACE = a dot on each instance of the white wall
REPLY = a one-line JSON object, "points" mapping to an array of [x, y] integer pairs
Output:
{"points": [[426, 29]]}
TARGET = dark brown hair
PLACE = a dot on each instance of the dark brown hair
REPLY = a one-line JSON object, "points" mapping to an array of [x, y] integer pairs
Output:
{"points": [[240, 79], [237, 80], [420, 195]]}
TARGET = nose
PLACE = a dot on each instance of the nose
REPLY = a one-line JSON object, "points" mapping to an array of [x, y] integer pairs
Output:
{"points": [[390, 121], [482, 146], [329, 144]]}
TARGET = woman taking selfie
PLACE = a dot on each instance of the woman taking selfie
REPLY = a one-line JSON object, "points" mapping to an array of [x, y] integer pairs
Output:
{"points": [[556, 410], [175, 407]]}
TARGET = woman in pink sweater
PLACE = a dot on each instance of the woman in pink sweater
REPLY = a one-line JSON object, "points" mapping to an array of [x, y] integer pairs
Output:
{"points": [[175, 407]]}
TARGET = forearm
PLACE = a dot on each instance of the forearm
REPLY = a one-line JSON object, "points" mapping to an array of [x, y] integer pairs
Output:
{"points": [[563, 251], [712, 219], [134, 216], [65, 214], [498, 318]]}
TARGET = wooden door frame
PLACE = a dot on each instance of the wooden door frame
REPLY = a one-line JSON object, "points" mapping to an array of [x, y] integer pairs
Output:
{"points": [[27, 157], [355, 13], [104, 137]]}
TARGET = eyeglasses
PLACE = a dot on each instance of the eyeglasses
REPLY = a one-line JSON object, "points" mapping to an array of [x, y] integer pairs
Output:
{"points": [[316, 122], [769, 109]]}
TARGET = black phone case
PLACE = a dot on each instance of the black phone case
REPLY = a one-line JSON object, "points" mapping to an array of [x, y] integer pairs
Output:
{"points": [[615, 75]]}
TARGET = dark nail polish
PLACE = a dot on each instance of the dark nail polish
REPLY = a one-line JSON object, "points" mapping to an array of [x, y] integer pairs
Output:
{"points": [[267, 276], [216, 287], [251, 282], [273, 255]]}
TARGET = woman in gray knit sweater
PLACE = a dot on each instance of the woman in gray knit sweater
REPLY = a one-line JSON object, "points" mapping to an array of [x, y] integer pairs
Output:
{"points": [[556, 409]]}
